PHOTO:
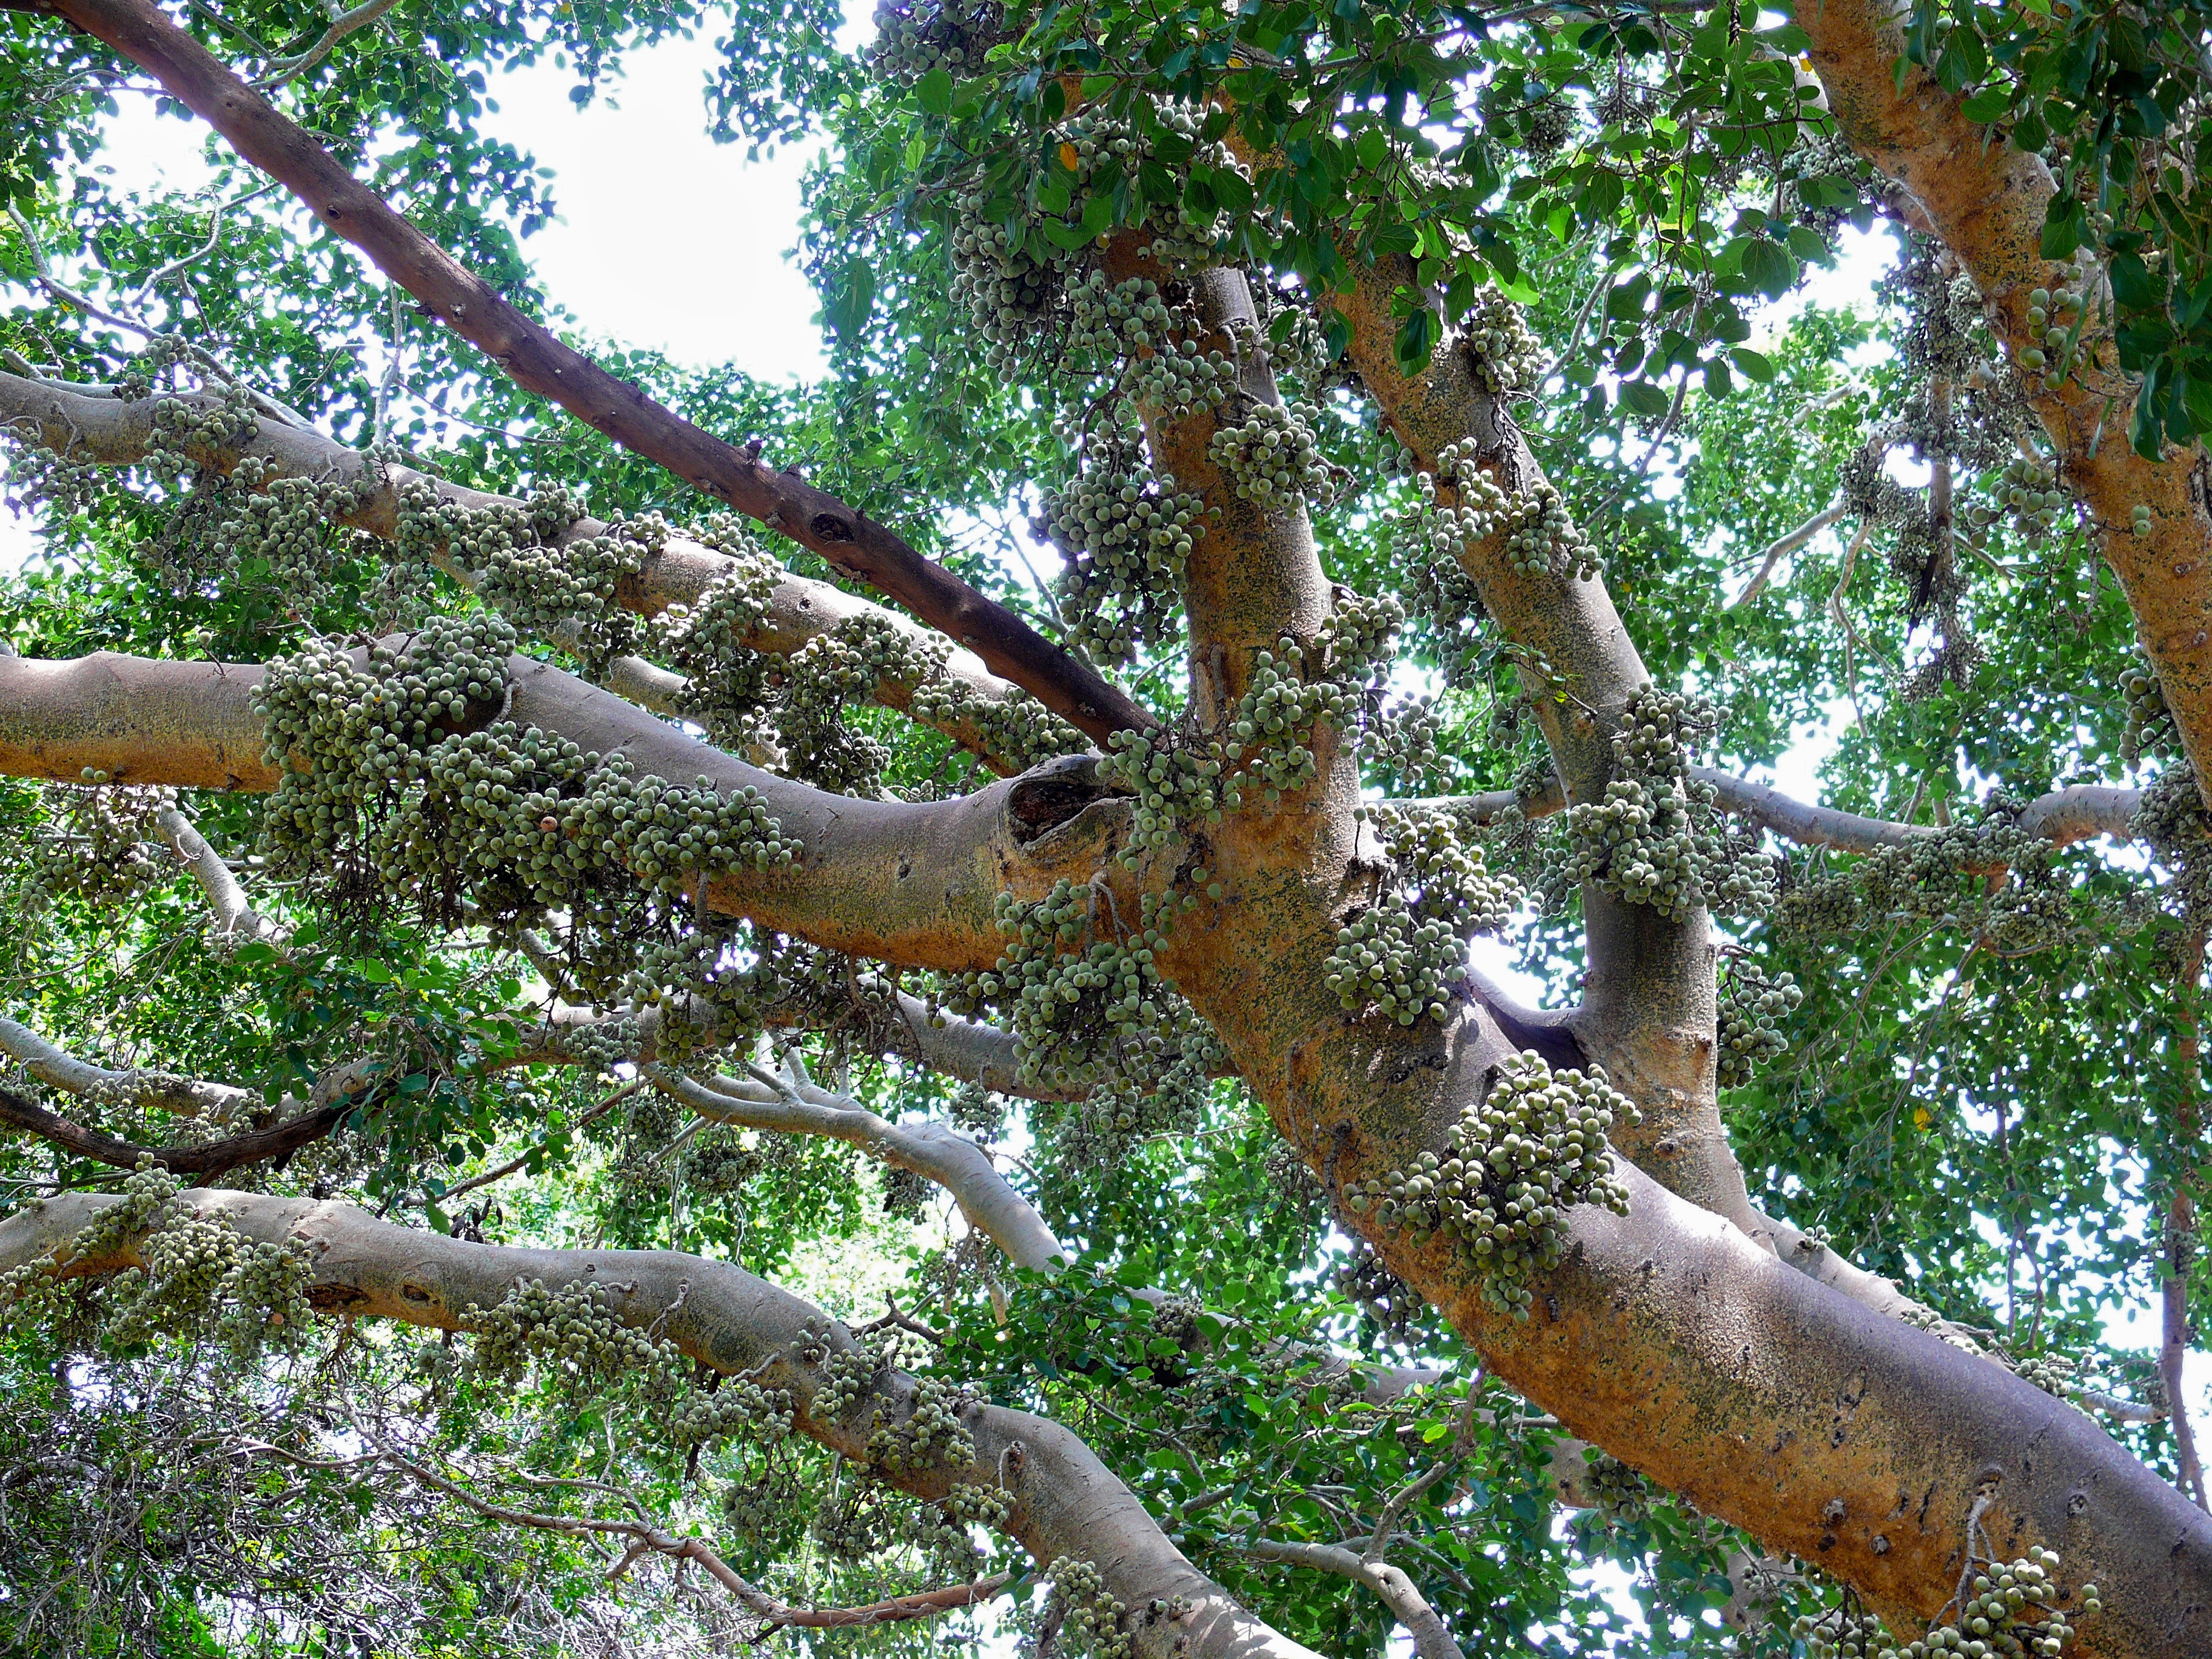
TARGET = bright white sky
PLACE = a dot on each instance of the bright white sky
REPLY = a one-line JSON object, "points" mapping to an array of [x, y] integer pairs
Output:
{"points": [[668, 240]]}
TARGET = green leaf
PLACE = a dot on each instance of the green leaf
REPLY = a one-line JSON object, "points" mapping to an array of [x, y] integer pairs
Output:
{"points": [[1417, 340], [2065, 227], [933, 92], [1234, 190], [1397, 237], [1642, 399], [1985, 105], [1756, 365], [2134, 286], [1769, 267]]}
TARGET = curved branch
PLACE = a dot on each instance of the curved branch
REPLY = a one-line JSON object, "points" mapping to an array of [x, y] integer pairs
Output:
{"points": [[536, 361], [644, 1536], [1065, 1502], [1398, 1593], [236, 921], [1826, 1430], [1790, 541], [930, 1150], [83, 424], [346, 22], [910, 883], [208, 1160]]}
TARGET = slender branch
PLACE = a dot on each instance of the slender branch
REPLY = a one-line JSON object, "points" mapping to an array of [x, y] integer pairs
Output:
{"points": [[1432, 1640], [131, 323], [1788, 543], [215, 235], [501, 1172], [236, 921], [345, 23], [209, 1160], [539, 361], [931, 1150], [2081, 811], [1818, 1262], [644, 1536]]}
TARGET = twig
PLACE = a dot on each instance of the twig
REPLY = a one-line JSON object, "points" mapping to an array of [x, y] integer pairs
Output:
{"points": [[345, 23], [514, 1164], [1786, 543], [1843, 618], [903, 1321], [643, 1536]]}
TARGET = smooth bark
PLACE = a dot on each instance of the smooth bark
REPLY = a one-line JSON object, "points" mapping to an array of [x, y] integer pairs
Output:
{"points": [[910, 883], [1065, 1502], [536, 361], [84, 425]]}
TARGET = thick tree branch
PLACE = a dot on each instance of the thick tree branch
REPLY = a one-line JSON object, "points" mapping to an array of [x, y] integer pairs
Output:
{"points": [[1649, 998], [1681, 1345], [1398, 1593], [1986, 201], [539, 363], [83, 424], [914, 884], [1255, 575], [1065, 1502]]}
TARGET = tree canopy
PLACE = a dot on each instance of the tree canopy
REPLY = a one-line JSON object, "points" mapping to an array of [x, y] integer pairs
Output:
{"points": [[543, 881]]}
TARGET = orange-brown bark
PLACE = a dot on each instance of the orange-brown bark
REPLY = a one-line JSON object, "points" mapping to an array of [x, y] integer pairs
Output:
{"points": [[1986, 201]]}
